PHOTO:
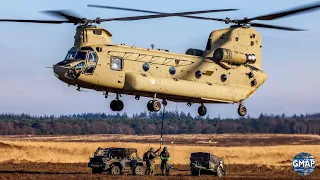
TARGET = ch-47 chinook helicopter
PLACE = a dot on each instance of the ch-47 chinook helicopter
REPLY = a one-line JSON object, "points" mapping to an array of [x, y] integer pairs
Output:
{"points": [[227, 71]]}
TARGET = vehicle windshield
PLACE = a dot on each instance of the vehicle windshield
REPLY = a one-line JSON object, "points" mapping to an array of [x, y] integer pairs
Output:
{"points": [[71, 54], [81, 55], [101, 152]]}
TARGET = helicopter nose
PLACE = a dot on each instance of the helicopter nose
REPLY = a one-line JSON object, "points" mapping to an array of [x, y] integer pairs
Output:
{"points": [[60, 71]]}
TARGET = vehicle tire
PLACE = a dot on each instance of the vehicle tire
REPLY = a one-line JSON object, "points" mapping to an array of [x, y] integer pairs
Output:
{"points": [[194, 172], [137, 171], [119, 105], [242, 110], [156, 105], [219, 172], [97, 170], [197, 172], [115, 170], [150, 106], [202, 110], [113, 105]]}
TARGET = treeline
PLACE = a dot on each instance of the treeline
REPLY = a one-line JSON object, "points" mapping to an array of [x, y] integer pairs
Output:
{"points": [[150, 123]]}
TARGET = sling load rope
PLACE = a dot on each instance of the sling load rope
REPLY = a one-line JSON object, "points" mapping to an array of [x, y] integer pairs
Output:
{"points": [[164, 102]]}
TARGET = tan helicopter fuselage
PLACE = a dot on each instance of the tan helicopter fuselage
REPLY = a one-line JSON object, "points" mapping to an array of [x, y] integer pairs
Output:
{"points": [[193, 77]]}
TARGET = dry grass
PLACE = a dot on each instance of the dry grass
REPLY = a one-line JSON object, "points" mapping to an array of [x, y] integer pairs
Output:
{"points": [[49, 150], [186, 137]]}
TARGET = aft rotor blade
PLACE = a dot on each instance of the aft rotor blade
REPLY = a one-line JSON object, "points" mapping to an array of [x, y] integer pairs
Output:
{"points": [[33, 21], [133, 18], [275, 27], [295, 11], [153, 12]]}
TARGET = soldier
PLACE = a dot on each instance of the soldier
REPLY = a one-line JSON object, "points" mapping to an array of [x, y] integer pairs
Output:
{"points": [[165, 157], [149, 158]]}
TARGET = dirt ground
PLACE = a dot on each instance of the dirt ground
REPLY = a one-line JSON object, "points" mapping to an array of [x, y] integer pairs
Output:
{"points": [[9, 170], [50, 157]]}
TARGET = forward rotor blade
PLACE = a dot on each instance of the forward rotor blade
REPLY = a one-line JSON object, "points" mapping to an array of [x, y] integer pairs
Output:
{"points": [[124, 9], [65, 14], [133, 18], [295, 11], [71, 16], [33, 21], [153, 12], [275, 27]]}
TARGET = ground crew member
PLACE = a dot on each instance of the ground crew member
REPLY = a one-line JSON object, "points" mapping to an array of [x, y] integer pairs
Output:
{"points": [[165, 157], [150, 156]]}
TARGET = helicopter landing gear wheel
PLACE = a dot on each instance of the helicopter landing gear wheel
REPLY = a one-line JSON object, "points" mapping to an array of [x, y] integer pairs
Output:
{"points": [[202, 110], [189, 103], [116, 105], [242, 110], [154, 105]]}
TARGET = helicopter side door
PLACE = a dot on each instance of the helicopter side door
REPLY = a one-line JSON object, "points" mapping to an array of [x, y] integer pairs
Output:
{"points": [[91, 62]]}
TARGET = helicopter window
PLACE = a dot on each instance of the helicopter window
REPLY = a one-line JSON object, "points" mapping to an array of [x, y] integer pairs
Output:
{"points": [[223, 77], [81, 55], [95, 57], [90, 59], [70, 55], [172, 70], [97, 32], [145, 66], [198, 74], [116, 63]]}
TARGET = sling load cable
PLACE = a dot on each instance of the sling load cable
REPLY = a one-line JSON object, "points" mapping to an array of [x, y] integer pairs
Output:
{"points": [[165, 103]]}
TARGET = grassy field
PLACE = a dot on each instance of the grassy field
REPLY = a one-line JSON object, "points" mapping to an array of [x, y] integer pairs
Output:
{"points": [[78, 149]]}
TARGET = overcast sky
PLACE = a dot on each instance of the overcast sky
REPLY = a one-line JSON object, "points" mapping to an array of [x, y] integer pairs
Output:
{"points": [[291, 59]]}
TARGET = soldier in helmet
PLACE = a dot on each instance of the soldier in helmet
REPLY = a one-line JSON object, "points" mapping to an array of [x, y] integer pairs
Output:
{"points": [[165, 157], [149, 158]]}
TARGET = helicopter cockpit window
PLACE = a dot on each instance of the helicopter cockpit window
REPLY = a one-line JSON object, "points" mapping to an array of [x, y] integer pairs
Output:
{"points": [[91, 63], [90, 59], [71, 55], [81, 55], [95, 57]]}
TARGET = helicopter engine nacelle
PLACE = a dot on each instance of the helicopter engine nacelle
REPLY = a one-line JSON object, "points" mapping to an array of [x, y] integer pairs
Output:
{"points": [[233, 57]]}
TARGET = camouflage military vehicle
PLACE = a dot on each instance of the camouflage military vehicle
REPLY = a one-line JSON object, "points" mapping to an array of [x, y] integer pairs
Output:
{"points": [[116, 161], [202, 162]]}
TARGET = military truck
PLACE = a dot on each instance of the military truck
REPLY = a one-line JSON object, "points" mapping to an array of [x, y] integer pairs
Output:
{"points": [[116, 161], [203, 162]]}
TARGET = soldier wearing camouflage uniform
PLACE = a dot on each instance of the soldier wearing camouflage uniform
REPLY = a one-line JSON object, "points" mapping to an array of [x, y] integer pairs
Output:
{"points": [[165, 157], [150, 156]]}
